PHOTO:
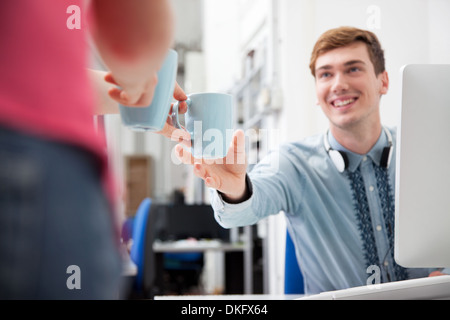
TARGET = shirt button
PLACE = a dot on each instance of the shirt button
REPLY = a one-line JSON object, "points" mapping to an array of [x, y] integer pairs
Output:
{"points": [[364, 158], [371, 188], [379, 228], [386, 263]]}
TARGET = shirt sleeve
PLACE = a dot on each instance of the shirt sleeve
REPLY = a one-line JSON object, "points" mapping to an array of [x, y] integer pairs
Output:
{"points": [[273, 184], [233, 215], [446, 270]]}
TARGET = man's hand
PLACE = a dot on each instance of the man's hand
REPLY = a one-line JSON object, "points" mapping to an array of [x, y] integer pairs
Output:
{"points": [[437, 273], [226, 175], [169, 130]]}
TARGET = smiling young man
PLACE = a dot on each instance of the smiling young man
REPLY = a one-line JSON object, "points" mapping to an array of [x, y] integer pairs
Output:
{"points": [[337, 188], [350, 81]]}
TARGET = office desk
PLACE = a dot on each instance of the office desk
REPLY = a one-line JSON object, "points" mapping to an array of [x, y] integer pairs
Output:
{"points": [[233, 297], [186, 246], [429, 288], [196, 246]]}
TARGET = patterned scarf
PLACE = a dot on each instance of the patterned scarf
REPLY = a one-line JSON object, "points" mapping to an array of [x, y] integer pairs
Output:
{"points": [[365, 226]]}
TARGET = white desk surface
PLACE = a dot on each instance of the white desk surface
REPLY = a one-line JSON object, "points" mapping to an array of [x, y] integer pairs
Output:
{"points": [[196, 245], [422, 288], [232, 297], [429, 288]]}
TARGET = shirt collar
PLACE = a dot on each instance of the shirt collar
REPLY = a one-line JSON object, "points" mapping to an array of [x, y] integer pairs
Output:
{"points": [[355, 159]]}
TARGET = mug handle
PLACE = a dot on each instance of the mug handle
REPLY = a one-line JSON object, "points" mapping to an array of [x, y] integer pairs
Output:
{"points": [[175, 119]]}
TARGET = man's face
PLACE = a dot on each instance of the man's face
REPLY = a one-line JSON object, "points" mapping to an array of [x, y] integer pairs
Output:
{"points": [[347, 88]]}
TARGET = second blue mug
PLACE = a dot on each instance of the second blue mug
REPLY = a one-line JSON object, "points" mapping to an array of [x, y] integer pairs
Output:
{"points": [[209, 121]]}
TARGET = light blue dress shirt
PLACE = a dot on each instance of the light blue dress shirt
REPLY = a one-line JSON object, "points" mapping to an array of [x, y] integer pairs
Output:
{"points": [[342, 224]]}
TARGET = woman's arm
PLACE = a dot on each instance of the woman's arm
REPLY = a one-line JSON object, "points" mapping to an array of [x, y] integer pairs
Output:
{"points": [[132, 37]]}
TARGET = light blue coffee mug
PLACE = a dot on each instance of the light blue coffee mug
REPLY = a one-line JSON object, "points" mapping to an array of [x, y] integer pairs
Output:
{"points": [[154, 116], [209, 121]]}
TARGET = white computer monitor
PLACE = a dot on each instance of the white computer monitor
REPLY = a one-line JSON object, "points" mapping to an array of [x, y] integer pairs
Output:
{"points": [[422, 192]]}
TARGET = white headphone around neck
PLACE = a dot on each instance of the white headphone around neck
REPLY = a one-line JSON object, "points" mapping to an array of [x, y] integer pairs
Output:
{"points": [[340, 159]]}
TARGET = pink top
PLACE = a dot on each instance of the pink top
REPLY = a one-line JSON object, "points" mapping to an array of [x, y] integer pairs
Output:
{"points": [[44, 86]]}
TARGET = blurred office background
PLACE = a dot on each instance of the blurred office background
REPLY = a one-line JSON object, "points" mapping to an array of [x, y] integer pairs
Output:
{"points": [[259, 50]]}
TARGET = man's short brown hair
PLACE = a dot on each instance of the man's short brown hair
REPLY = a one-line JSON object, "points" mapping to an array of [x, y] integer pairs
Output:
{"points": [[344, 36]]}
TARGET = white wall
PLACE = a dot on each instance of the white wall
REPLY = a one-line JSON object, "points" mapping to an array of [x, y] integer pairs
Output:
{"points": [[439, 27], [188, 22], [220, 44]]}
